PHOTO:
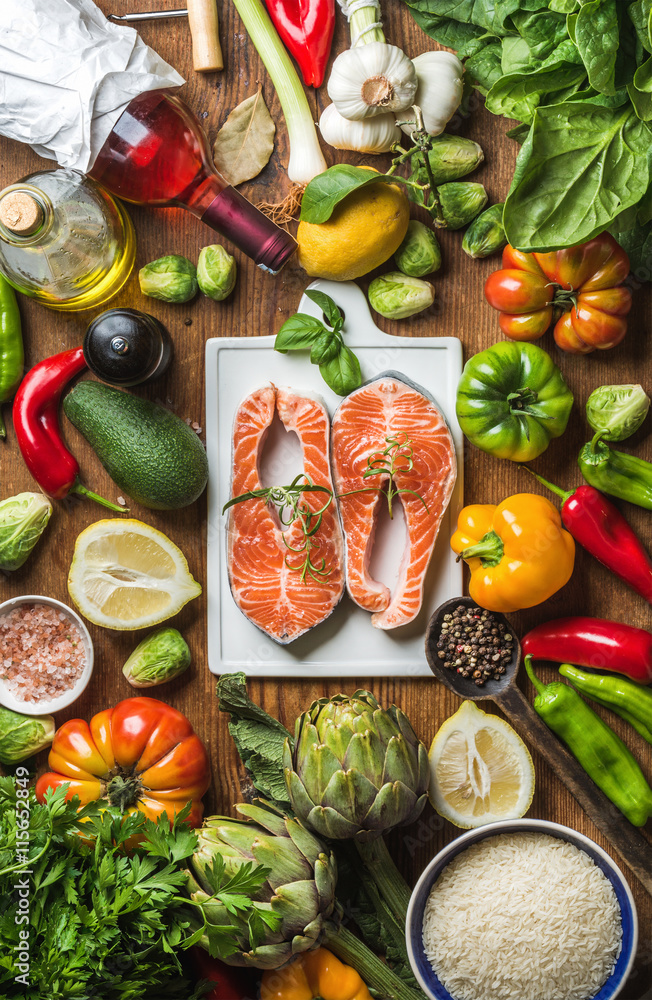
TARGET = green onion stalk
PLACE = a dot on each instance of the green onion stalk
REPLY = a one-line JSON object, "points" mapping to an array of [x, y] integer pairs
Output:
{"points": [[306, 158]]}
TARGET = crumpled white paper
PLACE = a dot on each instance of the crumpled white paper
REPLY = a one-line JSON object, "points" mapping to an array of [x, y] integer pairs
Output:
{"points": [[67, 74]]}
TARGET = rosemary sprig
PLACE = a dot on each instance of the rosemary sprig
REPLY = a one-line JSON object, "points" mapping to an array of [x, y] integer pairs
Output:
{"points": [[397, 457], [291, 508]]}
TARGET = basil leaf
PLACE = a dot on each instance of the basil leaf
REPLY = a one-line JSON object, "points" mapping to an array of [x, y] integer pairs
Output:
{"points": [[342, 373], [327, 190], [579, 168], [327, 306], [297, 333], [325, 348], [597, 37]]}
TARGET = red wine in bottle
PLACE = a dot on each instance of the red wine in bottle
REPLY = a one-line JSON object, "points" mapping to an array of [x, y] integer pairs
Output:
{"points": [[157, 154]]}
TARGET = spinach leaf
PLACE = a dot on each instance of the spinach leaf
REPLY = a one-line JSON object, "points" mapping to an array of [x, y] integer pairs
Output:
{"points": [[485, 14], [641, 101], [597, 37], [342, 374], [637, 244], [466, 39], [325, 191], [579, 168], [518, 96], [564, 6], [484, 68], [539, 35], [639, 15]]}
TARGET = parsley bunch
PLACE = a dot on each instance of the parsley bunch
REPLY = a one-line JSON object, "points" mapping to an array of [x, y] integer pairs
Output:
{"points": [[104, 923]]}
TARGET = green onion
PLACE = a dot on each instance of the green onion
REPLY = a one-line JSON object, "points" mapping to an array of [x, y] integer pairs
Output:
{"points": [[306, 159]]}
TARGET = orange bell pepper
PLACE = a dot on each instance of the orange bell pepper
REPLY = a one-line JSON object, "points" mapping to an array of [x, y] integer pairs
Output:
{"points": [[316, 973], [142, 755], [518, 552]]}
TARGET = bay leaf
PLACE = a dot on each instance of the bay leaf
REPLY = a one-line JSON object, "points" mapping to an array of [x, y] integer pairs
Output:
{"points": [[245, 142]]}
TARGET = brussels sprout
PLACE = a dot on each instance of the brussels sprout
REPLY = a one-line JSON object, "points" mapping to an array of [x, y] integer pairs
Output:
{"points": [[216, 272], [450, 158], [160, 657], [615, 412], [172, 279], [486, 234], [21, 736], [419, 252], [461, 202], [397, 295], [23, 520]]}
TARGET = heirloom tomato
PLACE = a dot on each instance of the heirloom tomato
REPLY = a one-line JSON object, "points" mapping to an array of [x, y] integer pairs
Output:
{"points": [[581, 287], [142, 755]]}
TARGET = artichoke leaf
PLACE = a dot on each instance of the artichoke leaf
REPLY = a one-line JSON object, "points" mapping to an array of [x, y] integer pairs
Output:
{"points": [[316, 769], [268, 818], [330, 823], [282, 857], [304, 841], [366, 754], [400, 760], [351, 794], [393, 805], [292, 901]]}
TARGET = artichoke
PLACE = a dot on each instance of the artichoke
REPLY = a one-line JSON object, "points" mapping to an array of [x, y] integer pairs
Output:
{"points": [[299, 889], [356, 770]]}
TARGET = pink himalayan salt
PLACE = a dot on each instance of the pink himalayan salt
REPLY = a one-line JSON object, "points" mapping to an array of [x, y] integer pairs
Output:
{"points": [[41, 652]]}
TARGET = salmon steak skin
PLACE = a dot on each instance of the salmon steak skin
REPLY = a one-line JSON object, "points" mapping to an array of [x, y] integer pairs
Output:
{"points": [[261, 551], [386, 409]]}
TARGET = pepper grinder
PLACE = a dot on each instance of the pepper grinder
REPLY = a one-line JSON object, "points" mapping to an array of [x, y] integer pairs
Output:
{"points": [[127, 347]]}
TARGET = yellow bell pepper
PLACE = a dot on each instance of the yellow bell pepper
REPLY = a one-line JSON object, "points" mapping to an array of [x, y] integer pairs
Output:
{"points": [[518, 552], [314, 974]]}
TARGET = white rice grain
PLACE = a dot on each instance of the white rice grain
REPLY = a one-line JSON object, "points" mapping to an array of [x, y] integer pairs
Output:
{"points": [[522, 916]]}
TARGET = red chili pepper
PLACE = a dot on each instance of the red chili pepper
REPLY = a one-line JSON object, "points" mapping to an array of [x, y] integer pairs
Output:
{"points": [[36, 421], [598, 525], [593, 642], [306, 29], [230, 983]]}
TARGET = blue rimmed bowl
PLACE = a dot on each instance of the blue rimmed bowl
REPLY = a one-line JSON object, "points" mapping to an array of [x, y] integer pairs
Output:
{"points": [[421, 966]]}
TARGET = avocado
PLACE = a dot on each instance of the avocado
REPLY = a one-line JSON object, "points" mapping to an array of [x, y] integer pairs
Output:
{"points": [[151, 454]]}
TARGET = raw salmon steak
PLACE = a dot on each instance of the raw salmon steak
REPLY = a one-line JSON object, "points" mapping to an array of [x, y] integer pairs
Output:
{"points": [[260, 557], [366, 422]]}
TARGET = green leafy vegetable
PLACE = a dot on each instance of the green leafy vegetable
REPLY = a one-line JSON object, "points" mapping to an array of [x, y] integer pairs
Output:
{"points": [[615, 412], [23, 519], [338, 365], [159, 657], [22, 736], [327, 190], [172, 279]]}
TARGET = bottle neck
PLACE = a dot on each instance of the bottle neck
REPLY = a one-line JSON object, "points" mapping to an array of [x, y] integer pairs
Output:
{"points": [[26, 215], [252, 232]]}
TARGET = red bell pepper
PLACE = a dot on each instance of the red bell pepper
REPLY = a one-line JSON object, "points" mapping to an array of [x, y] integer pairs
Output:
{"points": [[595, 643], [36, 422], [230, 983], [598, 525], [306, 29]]}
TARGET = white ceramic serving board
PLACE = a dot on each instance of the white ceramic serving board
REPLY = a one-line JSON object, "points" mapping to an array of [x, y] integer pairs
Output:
{"points": [[346, 644]]}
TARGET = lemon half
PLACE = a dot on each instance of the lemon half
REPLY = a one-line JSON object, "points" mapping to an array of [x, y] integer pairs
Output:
{"points": [[480, 770], [127, 575]]}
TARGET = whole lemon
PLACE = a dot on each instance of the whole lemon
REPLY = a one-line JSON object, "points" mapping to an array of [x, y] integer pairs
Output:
{"points": [[365, 229]]}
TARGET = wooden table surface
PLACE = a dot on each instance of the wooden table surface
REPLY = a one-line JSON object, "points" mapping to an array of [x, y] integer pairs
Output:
{"points": [[259, 305]]}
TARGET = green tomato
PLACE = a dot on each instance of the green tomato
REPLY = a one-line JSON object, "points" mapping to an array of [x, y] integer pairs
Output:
{"points": [[419, 252], [161, 656], [21, 736], [23, 520], [216, 272], [512, 400], [396, 296], [171, 279]]}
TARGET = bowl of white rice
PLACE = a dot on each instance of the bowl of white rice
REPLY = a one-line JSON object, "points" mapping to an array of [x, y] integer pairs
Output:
{"points": [[522, 910]]}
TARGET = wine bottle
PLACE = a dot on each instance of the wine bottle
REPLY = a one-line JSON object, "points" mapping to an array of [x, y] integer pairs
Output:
{"points": [[157, 154]]}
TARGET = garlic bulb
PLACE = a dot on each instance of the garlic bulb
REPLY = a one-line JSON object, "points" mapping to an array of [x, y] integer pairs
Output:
{"points": [[371, 135], [371, 80], [439, 90]]}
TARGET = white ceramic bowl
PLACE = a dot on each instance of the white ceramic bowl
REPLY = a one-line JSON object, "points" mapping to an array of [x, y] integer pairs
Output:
{"points": [[44, 707], [419, 961]]}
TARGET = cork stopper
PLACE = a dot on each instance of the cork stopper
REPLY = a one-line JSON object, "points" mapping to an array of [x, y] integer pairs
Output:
{"points": [[20, 213]]}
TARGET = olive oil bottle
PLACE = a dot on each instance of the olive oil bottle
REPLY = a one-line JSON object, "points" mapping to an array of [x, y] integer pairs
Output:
{"points": [[64, 240]]}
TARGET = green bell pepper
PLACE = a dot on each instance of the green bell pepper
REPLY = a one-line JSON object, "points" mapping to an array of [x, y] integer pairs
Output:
{"points": [[616, 473], [512, 400]]}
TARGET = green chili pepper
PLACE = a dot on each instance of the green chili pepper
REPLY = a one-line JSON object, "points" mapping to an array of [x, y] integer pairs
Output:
{"points": [[632, 702], [11, 346], [602, 754], [617, 473]]}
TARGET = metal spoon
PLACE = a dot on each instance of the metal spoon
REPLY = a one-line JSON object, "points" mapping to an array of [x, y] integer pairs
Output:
{"points": [[632, 846]]}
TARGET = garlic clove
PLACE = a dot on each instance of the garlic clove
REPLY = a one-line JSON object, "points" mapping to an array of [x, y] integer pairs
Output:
{"points": [[370, 135], [372, 80], [439, 90]]}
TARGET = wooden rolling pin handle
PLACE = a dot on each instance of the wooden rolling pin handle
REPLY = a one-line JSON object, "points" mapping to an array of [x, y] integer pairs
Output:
{"points": [[629, 842], [204, 28]]}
